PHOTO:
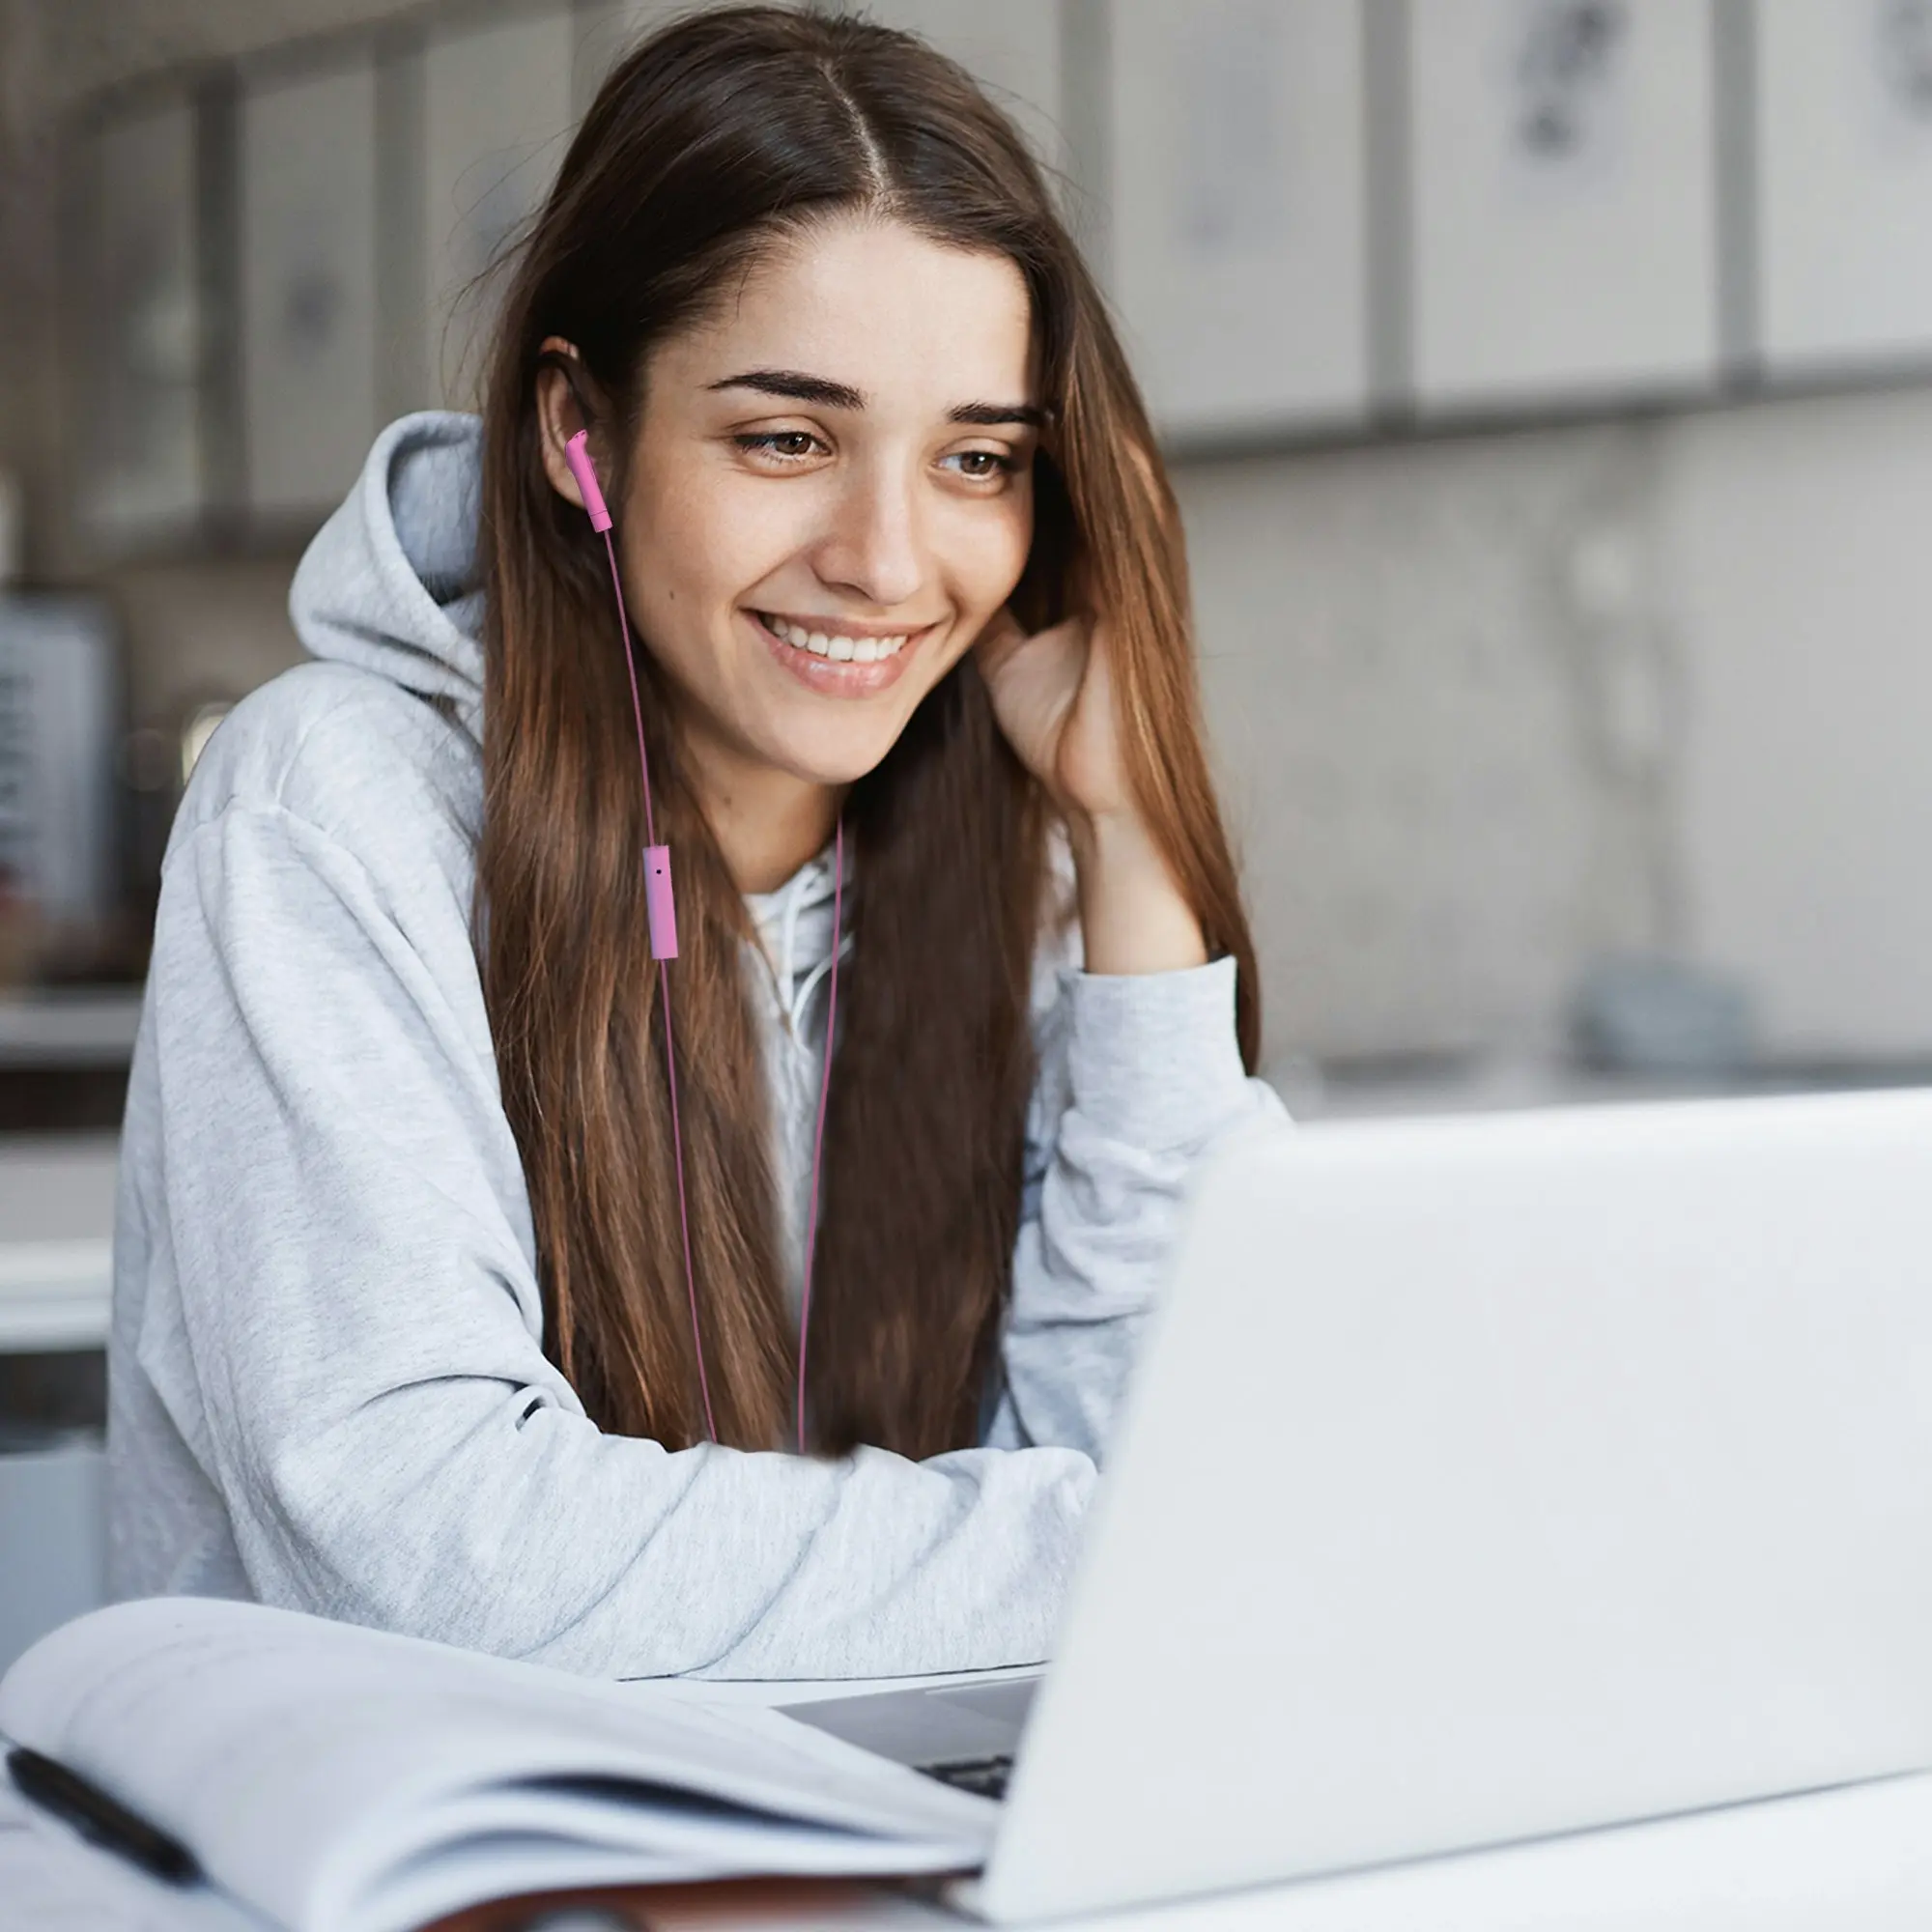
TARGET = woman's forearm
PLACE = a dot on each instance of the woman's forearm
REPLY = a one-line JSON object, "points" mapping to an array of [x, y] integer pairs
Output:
{"points": [[1132, 916]]}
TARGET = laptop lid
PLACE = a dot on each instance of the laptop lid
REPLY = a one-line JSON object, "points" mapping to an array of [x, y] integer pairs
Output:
{"points": [[1493, 1477]]}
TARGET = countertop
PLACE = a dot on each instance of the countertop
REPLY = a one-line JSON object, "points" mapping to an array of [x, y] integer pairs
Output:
{"points": [[56, 1240]]}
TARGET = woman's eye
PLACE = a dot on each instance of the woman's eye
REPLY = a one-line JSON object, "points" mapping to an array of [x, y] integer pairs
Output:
{"points": [[787, 443], [982, 465]]}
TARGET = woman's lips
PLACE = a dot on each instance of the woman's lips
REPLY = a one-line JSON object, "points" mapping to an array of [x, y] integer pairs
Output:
{"points": [[831, 676]]}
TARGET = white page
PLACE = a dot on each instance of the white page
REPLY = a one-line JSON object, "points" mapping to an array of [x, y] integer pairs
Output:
{"points": [[304, 1760], [53, 1882]]}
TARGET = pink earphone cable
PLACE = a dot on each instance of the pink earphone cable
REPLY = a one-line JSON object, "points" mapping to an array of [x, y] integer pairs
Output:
{"points": [[818, 1127], [664, 982], [663, 917]]}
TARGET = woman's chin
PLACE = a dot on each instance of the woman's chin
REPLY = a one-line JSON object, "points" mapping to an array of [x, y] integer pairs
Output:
{"points": [[837, 764]]}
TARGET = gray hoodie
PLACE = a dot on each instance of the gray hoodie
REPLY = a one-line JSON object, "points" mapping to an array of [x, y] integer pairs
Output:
{"points": [[328, 1384]]}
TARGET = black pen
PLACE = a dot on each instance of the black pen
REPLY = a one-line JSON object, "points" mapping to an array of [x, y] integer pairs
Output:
{"points": [[100, 1819]]}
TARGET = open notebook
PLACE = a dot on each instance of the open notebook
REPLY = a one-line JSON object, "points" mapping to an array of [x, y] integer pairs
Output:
{"points": [[338, 1779]]}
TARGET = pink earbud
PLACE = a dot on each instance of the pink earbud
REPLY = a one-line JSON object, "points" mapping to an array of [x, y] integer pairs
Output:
{"points": [[577, 453]]}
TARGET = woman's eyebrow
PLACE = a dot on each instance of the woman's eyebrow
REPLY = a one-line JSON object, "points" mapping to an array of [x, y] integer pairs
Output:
{"points": [[798, 388], [992, 416]]}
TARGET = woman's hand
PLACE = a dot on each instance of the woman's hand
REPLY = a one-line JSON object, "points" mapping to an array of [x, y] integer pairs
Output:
{"points": [[1054, 701], [1053, 697]]}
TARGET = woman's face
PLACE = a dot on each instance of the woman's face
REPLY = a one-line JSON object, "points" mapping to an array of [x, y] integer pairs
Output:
{"points": [[832, 492]]}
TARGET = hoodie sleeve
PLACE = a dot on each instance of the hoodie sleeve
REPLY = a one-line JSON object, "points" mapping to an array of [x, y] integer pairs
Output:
{"points": [[1140, 1079], [346, 1332]]}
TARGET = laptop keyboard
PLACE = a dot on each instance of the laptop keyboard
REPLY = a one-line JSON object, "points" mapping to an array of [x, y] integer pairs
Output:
{"points": [[984, 1776]]}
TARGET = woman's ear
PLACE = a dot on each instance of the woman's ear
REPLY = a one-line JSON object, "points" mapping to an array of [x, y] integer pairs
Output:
{"points": [[561, 385]]}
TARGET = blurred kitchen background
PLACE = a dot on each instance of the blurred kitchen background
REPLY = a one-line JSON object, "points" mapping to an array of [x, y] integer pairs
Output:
{"points": [[1550, 389]]}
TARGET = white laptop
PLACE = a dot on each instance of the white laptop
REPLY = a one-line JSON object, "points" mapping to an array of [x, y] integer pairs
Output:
{"points": [[1484, 1479]]}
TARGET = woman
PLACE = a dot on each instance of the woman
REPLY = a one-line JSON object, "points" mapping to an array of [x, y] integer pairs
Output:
{"points": [[405, 1331]]}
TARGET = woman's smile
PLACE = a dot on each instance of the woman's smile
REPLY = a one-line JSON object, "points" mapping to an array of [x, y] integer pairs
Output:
{"points": [[839, 657]]}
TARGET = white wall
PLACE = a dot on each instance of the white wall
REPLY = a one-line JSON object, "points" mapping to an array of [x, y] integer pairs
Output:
{"points": [[1491, 705], [1799, 558], [1399, 689]]}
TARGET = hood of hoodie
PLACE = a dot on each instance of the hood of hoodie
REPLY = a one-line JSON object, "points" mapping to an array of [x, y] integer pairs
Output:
{"points": [[390, 582]]}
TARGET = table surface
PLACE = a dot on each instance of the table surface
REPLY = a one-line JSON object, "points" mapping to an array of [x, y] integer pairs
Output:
{"points": [[1857, 1859], [1854, 1860]]}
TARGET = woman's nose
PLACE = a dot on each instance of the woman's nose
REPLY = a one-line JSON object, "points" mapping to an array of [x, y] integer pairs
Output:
{"points": [[874, 546]]}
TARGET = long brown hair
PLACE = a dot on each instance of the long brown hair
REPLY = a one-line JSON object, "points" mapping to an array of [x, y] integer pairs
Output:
{"points": [[712, 138]]}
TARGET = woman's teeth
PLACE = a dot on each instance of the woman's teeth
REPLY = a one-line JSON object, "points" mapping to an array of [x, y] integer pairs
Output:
{"points": [[829, 645]]}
